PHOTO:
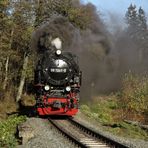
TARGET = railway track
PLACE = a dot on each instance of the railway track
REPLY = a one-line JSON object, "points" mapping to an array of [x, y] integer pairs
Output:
{"points": [[83, 136]]}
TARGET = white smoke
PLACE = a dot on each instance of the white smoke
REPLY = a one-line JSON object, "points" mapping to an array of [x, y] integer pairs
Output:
{"points": [[57, 43]]}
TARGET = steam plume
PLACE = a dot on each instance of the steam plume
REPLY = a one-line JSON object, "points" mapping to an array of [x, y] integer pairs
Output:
{"points": [[57, 43], [90, 45]]}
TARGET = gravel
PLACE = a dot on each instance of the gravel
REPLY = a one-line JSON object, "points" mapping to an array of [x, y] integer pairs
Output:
{"points": [[45, 135], [132, 143]]}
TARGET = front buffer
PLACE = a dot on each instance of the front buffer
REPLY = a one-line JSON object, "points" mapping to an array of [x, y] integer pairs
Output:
{"points": [[57, 106]]}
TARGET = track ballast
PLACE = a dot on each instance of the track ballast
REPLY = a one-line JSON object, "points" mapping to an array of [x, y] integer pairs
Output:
{"points": [[83, 136]]}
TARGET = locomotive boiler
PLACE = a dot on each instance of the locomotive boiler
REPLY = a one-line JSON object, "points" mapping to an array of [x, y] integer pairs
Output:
{"points": [[57, 83]]}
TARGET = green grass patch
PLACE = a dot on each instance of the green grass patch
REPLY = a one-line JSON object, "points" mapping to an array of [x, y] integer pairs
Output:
{"points": [[131, 103], [8, 130], [103, 112], [128, 130]]}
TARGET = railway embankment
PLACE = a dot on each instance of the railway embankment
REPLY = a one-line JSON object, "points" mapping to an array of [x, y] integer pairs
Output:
{"points": [[108, 131], [41, 133], [110, 120]]}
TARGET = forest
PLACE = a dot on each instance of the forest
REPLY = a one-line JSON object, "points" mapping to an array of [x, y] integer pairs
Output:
{"points": [[112, 63]]}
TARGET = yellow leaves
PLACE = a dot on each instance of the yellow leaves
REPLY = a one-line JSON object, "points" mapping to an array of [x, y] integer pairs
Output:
{"points": [[135, 93], [4, 3], [80, 16]]}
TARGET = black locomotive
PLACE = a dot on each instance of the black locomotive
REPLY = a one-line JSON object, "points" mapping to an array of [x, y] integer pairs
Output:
{"points": [[57, 83]]}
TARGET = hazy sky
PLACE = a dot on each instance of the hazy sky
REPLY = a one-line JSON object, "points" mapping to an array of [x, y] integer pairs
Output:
{"points": [[118, 6], [113, 11]]}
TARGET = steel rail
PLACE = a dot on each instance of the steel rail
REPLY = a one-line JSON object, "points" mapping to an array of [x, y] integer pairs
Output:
{"points": [[98, 135], [67, 134], [104, 141]]}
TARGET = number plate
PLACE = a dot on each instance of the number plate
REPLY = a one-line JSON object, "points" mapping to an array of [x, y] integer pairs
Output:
{"points": [[56, 70]]}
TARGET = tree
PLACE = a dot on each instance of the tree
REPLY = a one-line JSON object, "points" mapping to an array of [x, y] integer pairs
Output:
{"points": [[131, 15], [136, 21], [142, 20], [22, 18], [22, 79], [39, 12], [143, 33], [137, 30], [132, 20], [6, 35], [16, 28], [79, 15]]}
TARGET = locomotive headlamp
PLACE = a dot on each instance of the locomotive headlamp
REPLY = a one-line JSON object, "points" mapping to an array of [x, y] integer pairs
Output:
{"points": [[58, 52], [46, 87], [68, 88]]}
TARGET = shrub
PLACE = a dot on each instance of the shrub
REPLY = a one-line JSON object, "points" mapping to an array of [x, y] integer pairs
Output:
{"points": [[8, 130], [134, 98]]}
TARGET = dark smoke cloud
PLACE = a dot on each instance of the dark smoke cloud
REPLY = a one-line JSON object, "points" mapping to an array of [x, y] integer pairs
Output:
{"points": [[130, 55], [58, 26], [91, 45], [126, 55]]}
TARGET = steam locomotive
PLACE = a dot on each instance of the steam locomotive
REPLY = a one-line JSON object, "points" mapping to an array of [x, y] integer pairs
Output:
{"points": [[57, 83]]}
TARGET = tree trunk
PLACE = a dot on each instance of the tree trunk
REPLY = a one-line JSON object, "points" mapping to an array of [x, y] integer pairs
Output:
{"points": [[7, 61], [6, 73], [1, 71], [22, 81], [11, 38]]}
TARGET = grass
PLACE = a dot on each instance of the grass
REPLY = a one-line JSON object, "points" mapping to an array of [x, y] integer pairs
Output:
{"points": [[101, 110], [131, 103], [8, 130], [107, 113], [128, 130]]}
